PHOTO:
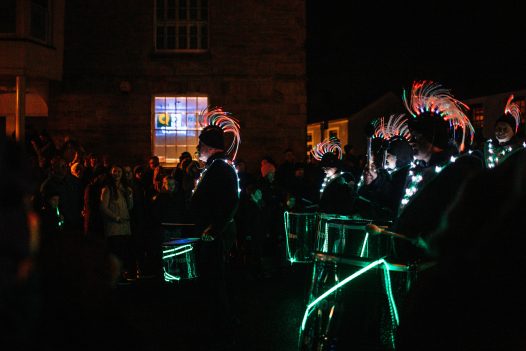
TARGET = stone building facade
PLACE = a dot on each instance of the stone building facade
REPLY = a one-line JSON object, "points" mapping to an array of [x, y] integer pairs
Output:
{"points": [[254, 67]]}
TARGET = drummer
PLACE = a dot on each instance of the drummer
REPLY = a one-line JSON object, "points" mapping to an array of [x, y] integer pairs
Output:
{"points": [[338, 191], [439, 129], [505, 142], [384, 177], [213, 205]]}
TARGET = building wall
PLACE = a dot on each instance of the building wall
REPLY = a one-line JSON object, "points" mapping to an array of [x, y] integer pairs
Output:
{"points": [[255, 69], [493, 106], [322, 131]]}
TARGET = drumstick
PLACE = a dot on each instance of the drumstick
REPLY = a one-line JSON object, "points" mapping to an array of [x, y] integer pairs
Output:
{"points": [[373, 229]]}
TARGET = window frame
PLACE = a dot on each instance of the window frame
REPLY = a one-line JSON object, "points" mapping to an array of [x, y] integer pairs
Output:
{"points": [[477, 123], [201, 26]]}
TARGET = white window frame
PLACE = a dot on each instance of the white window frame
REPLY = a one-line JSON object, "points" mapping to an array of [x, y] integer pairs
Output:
{"points": [[184, 26], [178, 130]]}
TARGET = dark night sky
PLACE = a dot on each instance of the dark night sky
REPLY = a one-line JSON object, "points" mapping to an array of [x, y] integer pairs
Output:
{"points": [[357, 55]]}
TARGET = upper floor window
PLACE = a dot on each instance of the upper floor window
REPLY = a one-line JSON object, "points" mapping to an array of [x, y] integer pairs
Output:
{"points": [[175, 126], [40, 21], [7, 16], [181, 25], [477, 116]]}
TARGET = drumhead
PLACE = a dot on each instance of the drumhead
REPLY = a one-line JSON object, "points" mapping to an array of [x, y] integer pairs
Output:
{"points": [[181, 241]]}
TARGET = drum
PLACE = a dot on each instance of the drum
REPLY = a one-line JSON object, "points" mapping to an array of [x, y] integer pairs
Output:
{"points": [[353, 303], [347, 237], [300, 233], [179, 259], [172, 231]]}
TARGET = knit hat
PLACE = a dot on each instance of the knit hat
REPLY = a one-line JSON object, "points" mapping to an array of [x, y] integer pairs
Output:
{"points": [[267, 167], [213, 136]]}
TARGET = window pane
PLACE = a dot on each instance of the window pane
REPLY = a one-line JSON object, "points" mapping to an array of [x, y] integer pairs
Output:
{"points": [[202, 104], [170, 37], [8, 16], [170, 9], [160, 38], [204, 10], [204, 36], [193, 37], [160, 10], [182, 10], [39, 20], [181, 38], [189, 17], [175, 127], [193, 11]]}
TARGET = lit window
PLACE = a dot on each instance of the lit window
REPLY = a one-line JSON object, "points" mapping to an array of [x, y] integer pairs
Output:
{"points": [[181, 25], [174, 126], [477, 119]]}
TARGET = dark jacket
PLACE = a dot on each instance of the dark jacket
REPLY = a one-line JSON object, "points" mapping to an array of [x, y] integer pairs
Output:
{"points": [[422, 215], [338, 195], [215, 200], [376, 199]]}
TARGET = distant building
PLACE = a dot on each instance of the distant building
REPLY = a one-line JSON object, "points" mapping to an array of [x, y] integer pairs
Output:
{"points": [[483, 113]]}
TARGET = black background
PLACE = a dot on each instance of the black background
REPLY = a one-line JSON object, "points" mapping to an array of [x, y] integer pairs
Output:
{"points": [[356, 55]]}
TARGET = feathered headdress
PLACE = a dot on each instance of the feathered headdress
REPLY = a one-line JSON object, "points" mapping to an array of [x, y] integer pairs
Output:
{"points": [[396, 127], [514, 110], [224, 120], [332, 145], [431, 98]]}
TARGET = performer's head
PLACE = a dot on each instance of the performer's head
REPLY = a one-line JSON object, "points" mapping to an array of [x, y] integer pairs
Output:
{"points": [[329, 154], [438, 120], [393, 133], [217, 125], [429, 134], [211, 141], [399, 153], [330, 163], [507, 124], [504, 128]]}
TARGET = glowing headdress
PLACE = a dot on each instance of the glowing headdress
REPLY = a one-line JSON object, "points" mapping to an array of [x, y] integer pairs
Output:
{"points": [[512, 109], [226, 122], [429, 99], [396, 127], [331, 145]]}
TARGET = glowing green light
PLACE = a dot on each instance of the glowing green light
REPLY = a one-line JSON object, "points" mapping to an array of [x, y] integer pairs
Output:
{"points": [[177, 251], [392, 305], [364, 245], [336, 287]]}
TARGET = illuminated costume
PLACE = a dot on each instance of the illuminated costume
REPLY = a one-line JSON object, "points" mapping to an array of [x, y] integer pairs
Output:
{"points": [[392, 164], [337, 192], [437, 126], [505, 142], [213, 205]]}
